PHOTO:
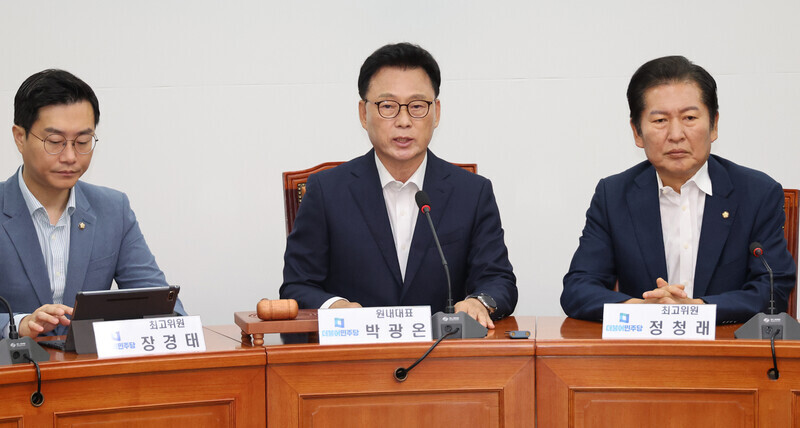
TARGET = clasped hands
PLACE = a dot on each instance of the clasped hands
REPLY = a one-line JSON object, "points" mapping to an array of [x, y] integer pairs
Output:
{"points": [[666, 293]]}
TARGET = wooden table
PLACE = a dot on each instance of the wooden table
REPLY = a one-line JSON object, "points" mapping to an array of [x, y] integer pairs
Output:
{"points": [[221, 387], [471, 383], [567, 377], [584, 381]]}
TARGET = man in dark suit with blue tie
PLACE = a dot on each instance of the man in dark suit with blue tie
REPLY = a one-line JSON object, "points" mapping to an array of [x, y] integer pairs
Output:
{"points": [[359, 238], [59, 235], [677, 227]]}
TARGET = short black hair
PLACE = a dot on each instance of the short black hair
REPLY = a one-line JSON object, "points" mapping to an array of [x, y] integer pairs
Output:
{"points": [[403, 55], [50, 87], [670, 69]]}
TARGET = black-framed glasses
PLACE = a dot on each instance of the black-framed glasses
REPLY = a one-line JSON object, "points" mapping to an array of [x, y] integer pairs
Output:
{"points": [[56, 143], [389, 109]]}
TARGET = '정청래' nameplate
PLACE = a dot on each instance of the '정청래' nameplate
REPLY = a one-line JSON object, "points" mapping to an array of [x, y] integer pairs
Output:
{"points": [[665, 322], [374, 325], [149, 336]]}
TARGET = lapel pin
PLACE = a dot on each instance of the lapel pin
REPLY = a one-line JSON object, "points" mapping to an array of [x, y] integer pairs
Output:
{"points": [[82, 225], [725, 214]]}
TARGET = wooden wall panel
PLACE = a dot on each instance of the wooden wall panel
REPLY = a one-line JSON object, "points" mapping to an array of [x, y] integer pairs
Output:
{"points": [[663, 408], [481, 391], [189, 415], [477, 409], [11, 422], [223, 386], [237, 393]]}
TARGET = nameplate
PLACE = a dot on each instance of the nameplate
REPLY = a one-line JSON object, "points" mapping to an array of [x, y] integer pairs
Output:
{"points": [[149, 336], [665, 322], [387, 324]]}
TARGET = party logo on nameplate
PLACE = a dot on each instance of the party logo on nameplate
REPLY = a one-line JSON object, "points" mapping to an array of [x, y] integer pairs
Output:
{"points": [[374, 325], [665, 322], [149, 336]]}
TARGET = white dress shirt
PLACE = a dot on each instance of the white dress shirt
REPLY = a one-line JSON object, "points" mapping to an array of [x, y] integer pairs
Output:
{"points": [[681, 221], [401, 206]]}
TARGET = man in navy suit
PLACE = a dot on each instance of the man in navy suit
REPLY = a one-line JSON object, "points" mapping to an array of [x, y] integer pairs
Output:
{"points": [[359, 238], [677, 228], [59, 236]]}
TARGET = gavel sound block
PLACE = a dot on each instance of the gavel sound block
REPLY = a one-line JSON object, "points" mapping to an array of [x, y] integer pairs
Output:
{"points": [[275, 316]]}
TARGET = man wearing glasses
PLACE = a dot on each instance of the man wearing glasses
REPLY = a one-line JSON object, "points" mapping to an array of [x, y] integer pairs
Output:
{"points": [[359, 239], [58, 235]]}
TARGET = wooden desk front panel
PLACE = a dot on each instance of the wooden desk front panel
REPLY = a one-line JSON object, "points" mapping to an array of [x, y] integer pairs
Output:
{"points": [[583, 382], [485, 383], [223, 387], [485, 392]]}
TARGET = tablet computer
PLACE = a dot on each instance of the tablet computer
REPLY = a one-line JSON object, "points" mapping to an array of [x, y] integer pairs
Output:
{"points": [[113, 305]]}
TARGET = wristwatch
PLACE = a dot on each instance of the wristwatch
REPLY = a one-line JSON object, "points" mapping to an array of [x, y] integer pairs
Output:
{"points": [[486, 300]]}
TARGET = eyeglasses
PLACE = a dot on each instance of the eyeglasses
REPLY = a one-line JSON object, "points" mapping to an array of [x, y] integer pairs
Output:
{"points": [[56, 143], [389, 109]]}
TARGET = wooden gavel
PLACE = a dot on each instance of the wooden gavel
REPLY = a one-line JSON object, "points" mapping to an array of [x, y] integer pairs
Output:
{"points": [[284, 309]]}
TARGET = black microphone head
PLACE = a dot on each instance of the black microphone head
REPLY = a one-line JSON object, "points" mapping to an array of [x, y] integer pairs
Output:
{"points": [[756, 249], [422, 200]]}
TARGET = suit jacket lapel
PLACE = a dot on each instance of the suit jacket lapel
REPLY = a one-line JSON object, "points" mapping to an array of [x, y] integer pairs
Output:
{"points": [[368, 194], [19, 226], [716, 227], [439, 191], [645, 214], [80, 245]]}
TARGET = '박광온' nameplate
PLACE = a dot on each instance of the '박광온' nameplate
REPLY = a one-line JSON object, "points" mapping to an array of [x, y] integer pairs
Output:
{"points": [[149, 336], [388, 324], [665, 322]]}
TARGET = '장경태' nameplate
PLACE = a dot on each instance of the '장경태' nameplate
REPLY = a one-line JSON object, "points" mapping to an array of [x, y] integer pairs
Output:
{"points": [[149, 336]]}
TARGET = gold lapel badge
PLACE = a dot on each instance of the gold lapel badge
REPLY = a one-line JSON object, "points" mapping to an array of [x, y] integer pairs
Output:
{"points": [[725, 214], [81, 225]]}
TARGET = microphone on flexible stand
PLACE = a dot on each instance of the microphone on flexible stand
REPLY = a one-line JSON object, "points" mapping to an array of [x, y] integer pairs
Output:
{"points": [[16, 350], [448, 323], [769, 326]]}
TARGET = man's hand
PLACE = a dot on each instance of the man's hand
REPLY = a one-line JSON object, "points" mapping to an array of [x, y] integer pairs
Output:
{"points": [[474, 308], [44, 320], [344, 304], [665, 293]]}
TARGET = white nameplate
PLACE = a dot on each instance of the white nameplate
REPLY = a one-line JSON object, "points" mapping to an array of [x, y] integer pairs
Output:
{"points": [[666, 322], [149, 336], [387, 324]]}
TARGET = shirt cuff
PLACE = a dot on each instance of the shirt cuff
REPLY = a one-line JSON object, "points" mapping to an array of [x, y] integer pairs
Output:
{"points": [[332, 300], [17, 319]]}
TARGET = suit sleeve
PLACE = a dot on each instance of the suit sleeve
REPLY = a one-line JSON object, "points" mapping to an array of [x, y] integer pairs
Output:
{"points": [[136, 265], [592, 275], [745, 300], [306, 260], [4, 323], [490, 271]]}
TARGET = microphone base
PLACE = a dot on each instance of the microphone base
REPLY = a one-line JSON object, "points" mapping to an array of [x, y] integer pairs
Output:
{"points": [[13, 351], [468, 328], [763, 326]]}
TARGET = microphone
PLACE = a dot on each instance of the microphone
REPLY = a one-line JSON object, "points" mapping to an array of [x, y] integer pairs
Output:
{"points": [[757, 251], [424, 204], [768, 326], [448, 323], [16, 350]]}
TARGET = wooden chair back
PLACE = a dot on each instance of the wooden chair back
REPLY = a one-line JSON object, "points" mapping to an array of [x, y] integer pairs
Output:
{"points": [[790, 231], [294, 187]]}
